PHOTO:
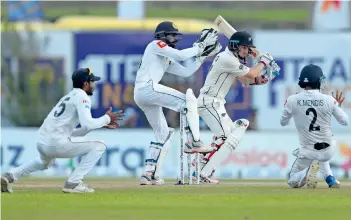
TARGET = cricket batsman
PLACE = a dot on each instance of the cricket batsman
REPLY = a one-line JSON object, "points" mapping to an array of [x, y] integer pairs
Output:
{"points": [[228, 66]]}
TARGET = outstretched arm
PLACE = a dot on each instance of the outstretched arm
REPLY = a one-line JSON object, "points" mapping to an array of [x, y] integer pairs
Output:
{"points": [[86, 121], [189, 67], [209, 38], [162, 49]]}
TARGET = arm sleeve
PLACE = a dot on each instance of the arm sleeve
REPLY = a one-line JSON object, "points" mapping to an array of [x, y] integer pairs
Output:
{"points": [[287, 113], [235, 67], [339, 114], [86, 121], [162, 49], [189, 67]]}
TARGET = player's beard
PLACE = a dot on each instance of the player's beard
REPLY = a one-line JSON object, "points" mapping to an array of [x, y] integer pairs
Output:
{"points": [[90, 93], [172, 40], [91, 89]]}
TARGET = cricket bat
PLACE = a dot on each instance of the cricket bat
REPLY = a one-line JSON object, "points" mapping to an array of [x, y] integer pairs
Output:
{"points": [[228, 31]]}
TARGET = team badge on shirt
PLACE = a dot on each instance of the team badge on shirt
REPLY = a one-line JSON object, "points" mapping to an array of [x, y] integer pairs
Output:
{"points": [[161, 44]]}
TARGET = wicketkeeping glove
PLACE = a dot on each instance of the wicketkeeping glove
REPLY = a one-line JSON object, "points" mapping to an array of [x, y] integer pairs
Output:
{"points": [[211, 51], [208, 38]]}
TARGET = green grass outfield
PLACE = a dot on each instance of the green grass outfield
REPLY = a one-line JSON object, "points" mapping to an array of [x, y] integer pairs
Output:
{"points": [[116, 199]]}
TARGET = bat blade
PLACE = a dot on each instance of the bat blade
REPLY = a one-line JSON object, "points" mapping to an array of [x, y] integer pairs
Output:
{"points": [[228, 31], [224, 26]]}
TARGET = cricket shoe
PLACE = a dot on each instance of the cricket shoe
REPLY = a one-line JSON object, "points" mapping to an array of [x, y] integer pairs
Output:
{"points": [[311, 175], [196, 147], [148, 179], [210, 176], [207, 180], [332, 182], [157, 181], [7, 181], [77, 188]]}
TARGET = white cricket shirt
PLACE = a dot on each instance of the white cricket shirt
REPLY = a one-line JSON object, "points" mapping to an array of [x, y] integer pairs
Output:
{"points": [[312, 112], [71, 110], [159, 58], [224, 70]]}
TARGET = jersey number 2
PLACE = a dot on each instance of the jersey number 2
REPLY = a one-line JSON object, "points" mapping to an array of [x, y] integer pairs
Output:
{"points": [[314, 119], [63, 107]]}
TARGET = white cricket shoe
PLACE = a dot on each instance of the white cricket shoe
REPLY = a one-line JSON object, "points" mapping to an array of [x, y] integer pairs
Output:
{"points": [[336, 185], [157, 181], [197, 147], [209, 177], [148, 179], [311, 175], [207, 180], [7, 181], [77, 188], [332, 182]]}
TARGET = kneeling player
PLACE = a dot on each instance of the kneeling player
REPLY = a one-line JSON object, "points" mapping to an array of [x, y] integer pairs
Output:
{"points": [[312, 112]]}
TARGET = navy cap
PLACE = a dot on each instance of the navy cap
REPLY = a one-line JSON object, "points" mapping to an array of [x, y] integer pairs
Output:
{"points": [[84, 75]]}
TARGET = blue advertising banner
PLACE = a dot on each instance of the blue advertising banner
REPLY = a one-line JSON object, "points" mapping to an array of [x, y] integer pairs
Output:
{"points": [[115, 57]]}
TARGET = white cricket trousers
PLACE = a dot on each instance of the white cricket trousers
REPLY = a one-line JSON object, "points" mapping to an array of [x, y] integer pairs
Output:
{"points": [[151, 98], [304, 159], [90, 150], [213, 112]]}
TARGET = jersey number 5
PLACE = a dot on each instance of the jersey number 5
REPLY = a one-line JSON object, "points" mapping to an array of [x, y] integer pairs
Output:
{"points": [[63, 107], [314, 119]]}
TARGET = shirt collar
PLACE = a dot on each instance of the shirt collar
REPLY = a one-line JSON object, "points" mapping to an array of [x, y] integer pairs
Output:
{"points": [[312, 91]]}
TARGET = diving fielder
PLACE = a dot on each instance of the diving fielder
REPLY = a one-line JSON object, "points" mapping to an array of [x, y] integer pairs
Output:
{"points": [[160, 56], [228, 66], [312, 112], [57, 136]]}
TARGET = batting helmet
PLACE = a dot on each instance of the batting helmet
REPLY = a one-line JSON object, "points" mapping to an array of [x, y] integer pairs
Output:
{"points": [[312, 76], [240, 38]]}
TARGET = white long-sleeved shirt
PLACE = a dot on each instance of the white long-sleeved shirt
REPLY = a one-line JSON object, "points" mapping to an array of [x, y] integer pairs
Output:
{"points": [[225, 69], [160, 58], [312, 112], [71, 110]]}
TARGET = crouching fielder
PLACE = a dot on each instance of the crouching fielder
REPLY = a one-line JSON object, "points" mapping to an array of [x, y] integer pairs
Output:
{"points": [[160, 56], [228, 66], [312, 112], [58, 136]]}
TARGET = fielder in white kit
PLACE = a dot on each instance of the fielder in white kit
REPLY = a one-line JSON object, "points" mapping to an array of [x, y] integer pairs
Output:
{"points": [[58, 131], [160, 56], [312, 112], [227, 67]]}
